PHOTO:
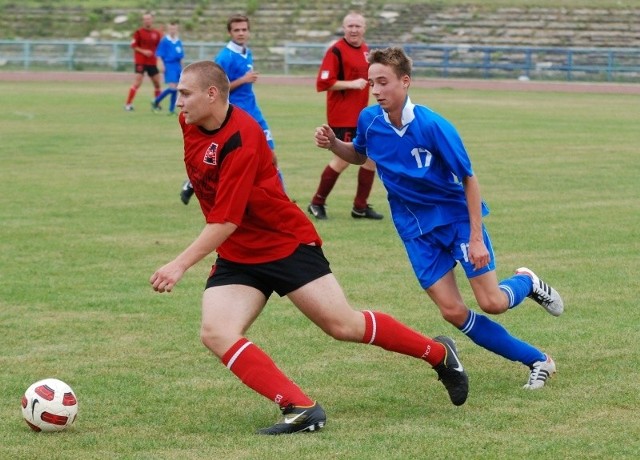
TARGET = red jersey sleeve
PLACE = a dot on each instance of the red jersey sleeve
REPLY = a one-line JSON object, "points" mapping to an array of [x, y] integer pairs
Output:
{"points": [[235, 183], [329, 70], [135, 39]]}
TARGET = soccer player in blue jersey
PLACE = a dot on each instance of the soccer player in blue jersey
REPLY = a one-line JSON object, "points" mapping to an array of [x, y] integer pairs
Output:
{"points": [[169, 53], [437, 210], [237, 61]]}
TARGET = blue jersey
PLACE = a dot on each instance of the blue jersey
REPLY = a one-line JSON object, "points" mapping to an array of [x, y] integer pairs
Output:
{"points": [[236, 62], [421, 166], [171, 52]]}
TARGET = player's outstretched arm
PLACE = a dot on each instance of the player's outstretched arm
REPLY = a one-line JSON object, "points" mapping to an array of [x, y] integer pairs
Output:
{"points": [[213, 235], [326, 139]]}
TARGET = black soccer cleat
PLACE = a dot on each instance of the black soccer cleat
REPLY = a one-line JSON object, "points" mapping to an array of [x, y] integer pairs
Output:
{"points": [[451, 373], [187, 192], [366, 213], [317, 210], [298, 419]]}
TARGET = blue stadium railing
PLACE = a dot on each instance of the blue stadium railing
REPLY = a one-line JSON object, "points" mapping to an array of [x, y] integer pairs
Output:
{"points": [[82, 55], [606, 64], [589, 64]]}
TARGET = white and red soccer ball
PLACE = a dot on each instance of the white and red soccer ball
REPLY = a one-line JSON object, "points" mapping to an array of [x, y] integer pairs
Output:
{"points": [[49, 405]]}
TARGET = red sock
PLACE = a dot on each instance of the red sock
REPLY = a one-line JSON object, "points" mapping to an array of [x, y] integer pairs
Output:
{"points": [[257, 371], [132, 94], [388, 333], [328, 179], [156, 93], [365, 184]]}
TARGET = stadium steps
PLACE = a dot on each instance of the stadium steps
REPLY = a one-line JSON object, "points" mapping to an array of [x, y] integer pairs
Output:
{"points": [[277, 21]]}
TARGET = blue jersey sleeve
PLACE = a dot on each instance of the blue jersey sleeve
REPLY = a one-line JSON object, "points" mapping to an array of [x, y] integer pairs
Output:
{"points": [[364, 121], [161, 51], [227, 60], [449, 145]]}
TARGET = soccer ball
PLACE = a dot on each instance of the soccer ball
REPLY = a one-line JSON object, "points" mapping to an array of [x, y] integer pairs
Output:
{"points": [[49, 405]]}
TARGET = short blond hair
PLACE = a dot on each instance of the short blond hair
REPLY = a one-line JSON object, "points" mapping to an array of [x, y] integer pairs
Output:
{"points": [[208, 74]]}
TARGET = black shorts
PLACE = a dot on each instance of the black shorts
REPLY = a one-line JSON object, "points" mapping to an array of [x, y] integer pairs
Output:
{"points": [[283, 276], [151, 70], [345, 134]]}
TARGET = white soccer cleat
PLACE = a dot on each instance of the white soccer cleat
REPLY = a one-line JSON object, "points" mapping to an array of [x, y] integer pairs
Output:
{"points": [[547, 297], [540, 372]]}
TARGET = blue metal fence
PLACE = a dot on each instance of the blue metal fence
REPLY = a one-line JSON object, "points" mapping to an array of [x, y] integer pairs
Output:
{"points": [[84, 55], [589, 64], [593, 64]]}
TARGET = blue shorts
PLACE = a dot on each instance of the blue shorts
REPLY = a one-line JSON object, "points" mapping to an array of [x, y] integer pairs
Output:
{"points": [[435, 254], [172, 72]]}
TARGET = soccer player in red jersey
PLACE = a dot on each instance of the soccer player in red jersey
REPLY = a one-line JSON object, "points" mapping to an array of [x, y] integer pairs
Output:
{"points": [[144, 43], [343, 75], [265, 243]]}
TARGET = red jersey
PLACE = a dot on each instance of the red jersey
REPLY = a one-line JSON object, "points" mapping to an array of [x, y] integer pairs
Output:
{"points": [[344, 62], [147, 39], [233, 176]]}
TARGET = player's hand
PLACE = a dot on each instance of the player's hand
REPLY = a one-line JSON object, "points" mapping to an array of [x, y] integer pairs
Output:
{"points": [[478, 254], [360, 83], [166, 277], [251, 76], [325, 137]]}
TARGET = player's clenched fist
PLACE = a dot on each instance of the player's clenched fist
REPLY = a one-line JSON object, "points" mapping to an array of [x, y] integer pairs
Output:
{"points": [[325, 137]]}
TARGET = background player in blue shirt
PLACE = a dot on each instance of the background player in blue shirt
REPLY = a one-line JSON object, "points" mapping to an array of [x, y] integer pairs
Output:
{"points": [[170, 53], [437, 210], [237, 61]]}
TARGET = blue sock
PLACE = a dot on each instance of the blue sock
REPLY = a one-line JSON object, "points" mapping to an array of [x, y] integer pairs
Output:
{"points": [[517, 288], [492, 336], [172, 100], [162, 95]]}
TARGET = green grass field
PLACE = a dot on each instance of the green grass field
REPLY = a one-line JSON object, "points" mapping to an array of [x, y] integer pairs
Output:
{"points": [[90, 209]]}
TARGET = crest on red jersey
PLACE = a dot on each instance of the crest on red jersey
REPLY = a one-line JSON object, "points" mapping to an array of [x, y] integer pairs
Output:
{"points": [[210, 156]]}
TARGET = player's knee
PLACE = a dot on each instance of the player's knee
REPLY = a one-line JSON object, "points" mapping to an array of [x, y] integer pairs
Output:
{"points": [[336, 331], [493, 305], [455, 316], [341, 330], [212, 340]]}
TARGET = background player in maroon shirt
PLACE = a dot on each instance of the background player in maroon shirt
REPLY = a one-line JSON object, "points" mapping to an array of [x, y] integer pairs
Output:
{"points": [[343, 75], [266, 244], [144, 43]]}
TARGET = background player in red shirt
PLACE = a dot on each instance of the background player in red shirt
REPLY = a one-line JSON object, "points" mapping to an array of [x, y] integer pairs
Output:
{"points": [[343, 75], [144, 43], [266, 243]]}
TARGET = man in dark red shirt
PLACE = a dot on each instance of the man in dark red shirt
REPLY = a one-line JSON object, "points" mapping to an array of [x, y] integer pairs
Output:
{"points": [[265, 244], [343, 75], [144, 43]]}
